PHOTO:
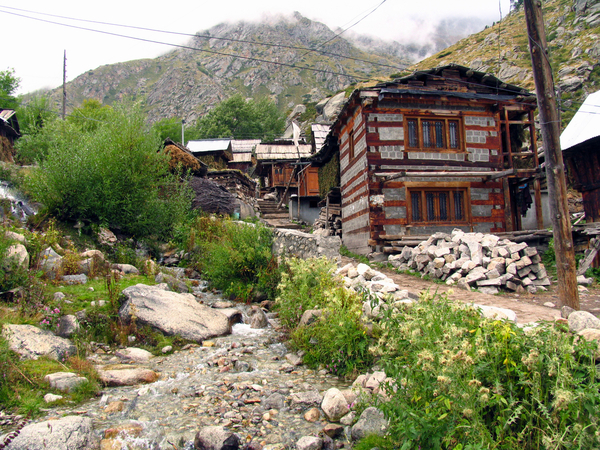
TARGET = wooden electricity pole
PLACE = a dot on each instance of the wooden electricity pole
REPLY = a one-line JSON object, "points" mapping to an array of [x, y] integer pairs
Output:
{"points": [[555, 169], [64, 99]]}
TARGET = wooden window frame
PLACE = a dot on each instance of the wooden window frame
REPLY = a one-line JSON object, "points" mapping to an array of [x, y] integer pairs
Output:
{"points": [[434, 134], [424, 215], [351, 145]]}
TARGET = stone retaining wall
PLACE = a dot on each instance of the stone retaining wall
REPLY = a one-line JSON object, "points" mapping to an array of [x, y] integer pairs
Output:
{"points": [[303, 245]]}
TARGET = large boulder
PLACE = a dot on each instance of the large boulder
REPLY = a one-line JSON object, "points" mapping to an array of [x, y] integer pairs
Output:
{"points": [[172, 313], [71, 432], [32, 342]]}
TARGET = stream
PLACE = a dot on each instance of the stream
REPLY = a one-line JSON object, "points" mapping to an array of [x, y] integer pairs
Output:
{"points": [[242, 381]]}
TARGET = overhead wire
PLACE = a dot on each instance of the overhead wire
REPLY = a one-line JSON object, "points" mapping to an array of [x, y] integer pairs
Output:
{"points": [[346, 29], [195, 36]]}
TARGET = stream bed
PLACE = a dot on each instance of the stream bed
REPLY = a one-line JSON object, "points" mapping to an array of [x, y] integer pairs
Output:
{"points": [[242, 381]]}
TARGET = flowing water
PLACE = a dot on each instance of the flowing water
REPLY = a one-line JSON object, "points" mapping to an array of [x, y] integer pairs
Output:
{"points": [[242, 382]]}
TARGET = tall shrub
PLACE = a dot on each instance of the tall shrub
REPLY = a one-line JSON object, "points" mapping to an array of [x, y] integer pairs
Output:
{"points": [[113, 176]]}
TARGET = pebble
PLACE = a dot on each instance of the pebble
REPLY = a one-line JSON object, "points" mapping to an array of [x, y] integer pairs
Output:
{"points": [[241, 381]]}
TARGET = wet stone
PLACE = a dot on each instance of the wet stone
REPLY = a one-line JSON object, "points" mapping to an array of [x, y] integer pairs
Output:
{"points": [[192, 392]]}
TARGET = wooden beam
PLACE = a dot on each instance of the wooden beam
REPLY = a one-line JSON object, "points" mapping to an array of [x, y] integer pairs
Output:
{"points": [[590, 254], [555, 168], [489, 175]]}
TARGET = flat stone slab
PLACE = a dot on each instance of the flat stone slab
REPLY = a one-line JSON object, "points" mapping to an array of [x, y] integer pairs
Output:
{"points": [[126, 377], [173, 313], [32, 342], [64, 381], [134, 354], [71, 432]]}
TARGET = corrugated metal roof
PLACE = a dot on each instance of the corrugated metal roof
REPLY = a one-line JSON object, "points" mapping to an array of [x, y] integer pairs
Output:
{"points": [[319, 132], [244, 145], [266, 152], [584, 125], [208, 145]]}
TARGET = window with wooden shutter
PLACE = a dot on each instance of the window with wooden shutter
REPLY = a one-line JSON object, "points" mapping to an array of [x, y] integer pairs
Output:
{"points": [[431, 205], [433, 134]]}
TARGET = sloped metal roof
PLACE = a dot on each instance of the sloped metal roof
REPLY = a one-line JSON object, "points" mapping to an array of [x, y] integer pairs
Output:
{"points": [[271, 152], [6, 114], [584, 125], [319, 132], [208, 145]]}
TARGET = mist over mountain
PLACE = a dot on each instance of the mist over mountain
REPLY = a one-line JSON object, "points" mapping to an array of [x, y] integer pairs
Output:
{"points": [[288, 59]]}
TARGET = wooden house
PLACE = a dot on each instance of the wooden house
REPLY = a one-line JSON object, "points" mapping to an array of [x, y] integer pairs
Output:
{"points": [[9, 132], [216, 153], [9, 125], [580, 143], [242, 154], [286, 169], [440, 149]]}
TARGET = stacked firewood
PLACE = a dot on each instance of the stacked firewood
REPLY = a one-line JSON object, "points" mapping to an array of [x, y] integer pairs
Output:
{"points": [[329, 222]]}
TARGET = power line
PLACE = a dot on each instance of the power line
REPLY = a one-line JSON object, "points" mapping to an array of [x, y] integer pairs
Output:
{"points": [[196, 36], [344, 30]]}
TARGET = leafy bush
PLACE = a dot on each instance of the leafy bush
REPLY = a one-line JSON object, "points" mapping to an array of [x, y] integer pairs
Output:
{"points": [[337, 340], [112, 176], [11, 275], [462, 381], [236, 258]]}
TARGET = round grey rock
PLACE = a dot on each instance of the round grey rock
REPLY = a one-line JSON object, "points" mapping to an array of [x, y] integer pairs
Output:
{"points": [[580, 320], [371, 421]]}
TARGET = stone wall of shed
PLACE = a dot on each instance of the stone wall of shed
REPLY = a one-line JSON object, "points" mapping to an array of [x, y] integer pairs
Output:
{"points": [[303, 245]]}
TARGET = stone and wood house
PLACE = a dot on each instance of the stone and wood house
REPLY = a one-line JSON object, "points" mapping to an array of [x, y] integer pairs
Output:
{"points": [[440, 149]]}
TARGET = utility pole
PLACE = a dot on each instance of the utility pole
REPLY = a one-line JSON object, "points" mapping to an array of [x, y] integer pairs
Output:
{"points": [[182, 132], [555, 168], [64, 100]]}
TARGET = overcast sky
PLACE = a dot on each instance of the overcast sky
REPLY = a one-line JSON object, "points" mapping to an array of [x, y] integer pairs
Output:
{"points": [[34, 49]]}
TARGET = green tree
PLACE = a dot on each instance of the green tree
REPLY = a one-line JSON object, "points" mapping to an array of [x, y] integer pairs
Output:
{"points": [[9, 83], [171, 128], [242, 119], [91, 115], [113, 176], [34, 114]]}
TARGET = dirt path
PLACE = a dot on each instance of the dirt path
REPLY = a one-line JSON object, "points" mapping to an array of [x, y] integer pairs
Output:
{"points": [[528, 307]]}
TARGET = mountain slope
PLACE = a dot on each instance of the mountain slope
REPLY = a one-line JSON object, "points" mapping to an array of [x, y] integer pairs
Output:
{"points": [[220, 62], [573, 35]]}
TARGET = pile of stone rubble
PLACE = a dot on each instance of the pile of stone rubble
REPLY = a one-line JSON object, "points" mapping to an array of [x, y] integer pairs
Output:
{"points": [[475, 260]]}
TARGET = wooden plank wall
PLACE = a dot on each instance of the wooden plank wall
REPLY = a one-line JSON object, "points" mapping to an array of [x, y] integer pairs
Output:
{"points": [[354, 185]]}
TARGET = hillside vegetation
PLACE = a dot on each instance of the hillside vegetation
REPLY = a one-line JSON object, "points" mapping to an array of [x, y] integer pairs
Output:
{"points": [[572, 33]]}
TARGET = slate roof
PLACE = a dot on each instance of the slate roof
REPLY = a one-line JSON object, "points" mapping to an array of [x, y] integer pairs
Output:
{"points": [[282, 152], [242, 149], [319, 132]]}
